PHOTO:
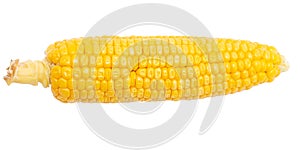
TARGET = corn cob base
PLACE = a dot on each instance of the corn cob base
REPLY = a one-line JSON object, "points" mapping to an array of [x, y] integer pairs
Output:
{"points": [[122, 69]]}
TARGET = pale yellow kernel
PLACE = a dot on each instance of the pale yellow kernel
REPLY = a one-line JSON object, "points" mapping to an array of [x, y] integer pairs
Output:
{"points": [[91, 94], [83, 60], [85, 72], [118, 84], [81, 84], [83, 95], [89, 84], [116, 73]]}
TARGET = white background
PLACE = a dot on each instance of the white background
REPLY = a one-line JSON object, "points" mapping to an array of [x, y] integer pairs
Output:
{"points": [[267, 116]]}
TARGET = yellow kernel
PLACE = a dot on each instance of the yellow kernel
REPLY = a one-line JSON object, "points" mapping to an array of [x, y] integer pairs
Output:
{"points": [[246, 82], [62, 83], [202, 68], [140, 93], [157, 73], [142, 72], [150, 73], [132, 78], [100, 73], [263, 65], [65, 60], [227, 67], [165, 73], [200, 81], [70, 84], [236, 75], [206, 80], [97, 84], [241, 55], [64, 92], [147, 94], [231, 83], [104, 85], [207, 90], [139, 82], [197, 59], [233, 56], [174, 85], [107, 74], [99, 61], [54, 83], [257, 65], [239, 83], [251, 71], [107, 61], [240, 64], [168, 84], [147, 83], [254, 79], [172, 73], [175, 94], [244, 74], [256, 53], [133, 92], [226, 56], [110, 93], [272, 74], [233, 67], [56, 72]]}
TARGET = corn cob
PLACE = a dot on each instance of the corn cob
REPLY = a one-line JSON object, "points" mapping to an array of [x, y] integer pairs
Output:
{"points": [[112, 69]]}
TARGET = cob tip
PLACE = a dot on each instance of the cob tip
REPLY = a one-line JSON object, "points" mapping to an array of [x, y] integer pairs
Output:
{"points": [[9, 78], [284, 66], [28, 72]]}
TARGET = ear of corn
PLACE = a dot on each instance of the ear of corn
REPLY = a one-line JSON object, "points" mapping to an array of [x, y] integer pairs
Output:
{"points": [[121, 69]]}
